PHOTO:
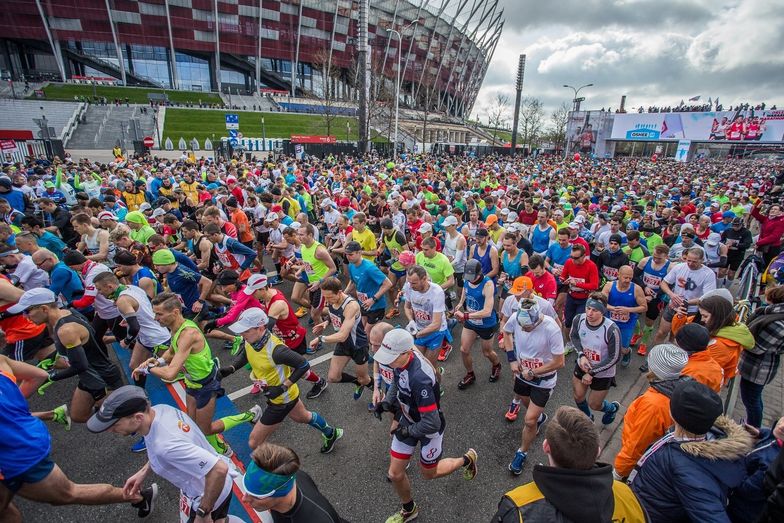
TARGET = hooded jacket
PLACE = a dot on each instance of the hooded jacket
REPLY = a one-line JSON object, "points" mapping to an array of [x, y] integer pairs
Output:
{"points": [[681, 481], [646, 420], [703, 368], [143, 234], [725, 347], [567, 495]]}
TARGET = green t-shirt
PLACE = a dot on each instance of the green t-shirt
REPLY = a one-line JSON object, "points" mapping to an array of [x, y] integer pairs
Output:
{"points": [[438, 267], [652, 241]]}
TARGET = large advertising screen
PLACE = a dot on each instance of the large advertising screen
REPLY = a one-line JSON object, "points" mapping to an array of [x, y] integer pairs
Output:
{"points": [[732, 126]]}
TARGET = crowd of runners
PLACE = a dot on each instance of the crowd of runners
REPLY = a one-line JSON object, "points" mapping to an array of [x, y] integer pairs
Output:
{"points": [[566, 269]]}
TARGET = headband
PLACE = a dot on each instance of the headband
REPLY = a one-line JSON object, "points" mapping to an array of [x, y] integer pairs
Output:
{"points": [[596, 304]]}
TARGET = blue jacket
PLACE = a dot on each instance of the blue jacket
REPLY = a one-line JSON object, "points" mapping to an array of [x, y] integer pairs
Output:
{"points": [[748, 499], [682, 481]]}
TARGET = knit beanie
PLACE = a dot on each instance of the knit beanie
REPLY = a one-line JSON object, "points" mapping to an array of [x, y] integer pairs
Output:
{"points": [[693, 337], [666, 361], [695, 407]]}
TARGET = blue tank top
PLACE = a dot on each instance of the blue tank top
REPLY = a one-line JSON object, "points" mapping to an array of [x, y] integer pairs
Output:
{"points": [[24, 440], [653, 278], [541, 239], [475, 302], [484, 260], [622, 299], [512, 267], [145, 272]]}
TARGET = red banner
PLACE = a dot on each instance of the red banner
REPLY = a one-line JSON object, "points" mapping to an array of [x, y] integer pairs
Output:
{"points": [[267, 90], [300, 138], [7, 145]]}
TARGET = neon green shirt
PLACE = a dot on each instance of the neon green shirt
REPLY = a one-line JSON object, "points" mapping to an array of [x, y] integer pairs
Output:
{"points": [[438, 267]]}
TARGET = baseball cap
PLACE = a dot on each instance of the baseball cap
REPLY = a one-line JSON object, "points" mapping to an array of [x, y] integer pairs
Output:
{"points": [[125, 401], [163, 257], [472, 270], [344, 202], [395, 343], [695, 407], [145, 207], [713, 239], [31, 298], [520, 284], [407, 258], [449, 221], [352, 247], [106, 215], [387, 223], [124, 257], [666, 361], [491, 220], [327, 203], [271, 217], [574, 225], [483, 232], [255, 282], [249, 319], [425, 227], [728, 214], [158, 212]]}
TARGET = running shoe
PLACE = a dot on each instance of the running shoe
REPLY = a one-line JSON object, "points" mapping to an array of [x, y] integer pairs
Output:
{"points": [[445, 351], [470, 470], [644, 367], [516, 466], [234, 345], [468, 380], [635, 338], [513, 412], [609, 417], [569, 348], [224, 449], [541, 421], [626, 358], [300, 312], [404, 516], [47, 363], [642, 350], [451, 323], [257, 411], [358, 391], [275, 280], [391, 313], [317, 389], [329, 443], [495, 373], [62, 417], [147, 504], [256, 388], [139, 446]]}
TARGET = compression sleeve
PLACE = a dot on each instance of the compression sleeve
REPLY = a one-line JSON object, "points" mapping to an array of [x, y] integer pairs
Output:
{"points": [[282, 355], [271, 323], [721, 263], [83, 302], [133, 325], [78, 362]]}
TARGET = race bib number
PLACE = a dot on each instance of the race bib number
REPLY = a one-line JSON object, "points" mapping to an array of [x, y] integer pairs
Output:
{"points": [[308, 268], [619, 316], [386, 374], [532, 363], [422, 316], [592, 355], [576, 288], [650, 281], [361, 297], [611, 273], [336, 322]]}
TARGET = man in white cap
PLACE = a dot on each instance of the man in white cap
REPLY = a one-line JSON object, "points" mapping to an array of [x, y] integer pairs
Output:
{"points": [[415, 390], [278, 369]]}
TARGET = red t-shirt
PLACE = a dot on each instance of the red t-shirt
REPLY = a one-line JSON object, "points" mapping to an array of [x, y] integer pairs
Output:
{"points": [[545, 285], [587, 276], [528, 218]]}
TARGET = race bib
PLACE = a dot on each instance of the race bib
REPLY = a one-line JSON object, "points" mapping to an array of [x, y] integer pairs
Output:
{"points": [[361, 297], [422, 316], [532, 363], [592, 355], [651, 281], [611, 273], [619, 316], [336, 321], [386, 374]]}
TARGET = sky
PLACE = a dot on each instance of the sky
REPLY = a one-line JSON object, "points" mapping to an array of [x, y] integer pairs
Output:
{"points": [[656, 52]]}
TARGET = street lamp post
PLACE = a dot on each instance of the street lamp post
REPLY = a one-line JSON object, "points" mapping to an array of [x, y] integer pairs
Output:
{"points": [[575, 107], [348, 131], [263, 135], [397, 80]]}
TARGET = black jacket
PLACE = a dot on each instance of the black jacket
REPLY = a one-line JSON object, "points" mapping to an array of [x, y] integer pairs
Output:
{"points": [[773, 486]]}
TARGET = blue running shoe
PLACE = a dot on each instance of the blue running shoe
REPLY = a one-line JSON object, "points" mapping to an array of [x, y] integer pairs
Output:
{"points": [[139, 446], [541, 421], [609, 417], [516, 466], [626, 359]]}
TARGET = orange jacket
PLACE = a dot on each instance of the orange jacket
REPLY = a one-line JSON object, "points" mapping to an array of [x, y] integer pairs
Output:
{"points": [[703, 368], [646, 420]]}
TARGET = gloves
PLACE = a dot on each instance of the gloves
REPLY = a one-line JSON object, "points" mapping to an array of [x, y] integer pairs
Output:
{"points": [[210, 325], [412, 327], [382, 407], [274, 391], [401, 432], [226, 371]]}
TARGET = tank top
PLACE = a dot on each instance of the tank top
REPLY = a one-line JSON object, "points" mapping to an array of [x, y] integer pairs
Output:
{"points": [[228, 259], [338, 315], [264, 367], [214, 266], [484, 259], [94, 246], [512, 267], [450, 249], [198, 366], [393, 245], [475, 302], [151, 333], [712, 255], [289, 329], [594, 341], [651, 277], [99, 365], [626, 298], [314, 268], [145, 272], [540, 239]]}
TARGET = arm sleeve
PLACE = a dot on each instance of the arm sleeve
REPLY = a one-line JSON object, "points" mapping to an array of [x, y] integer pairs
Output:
{"points": [[282, 355], [391, 395], [77, 360], [574, 334], [133, 325], [85, 301], [77, 182], [429, 422], [460, 255], [721, 263], [638, 276], [247, 252], [613, 350]]}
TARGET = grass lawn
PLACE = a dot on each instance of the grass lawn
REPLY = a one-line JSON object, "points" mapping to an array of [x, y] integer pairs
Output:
{"points": [[202, 124], [137, 95], [502, 135]]}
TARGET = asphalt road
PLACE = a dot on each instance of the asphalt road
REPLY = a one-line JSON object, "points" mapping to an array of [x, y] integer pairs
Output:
{"points": [[353, 477]]}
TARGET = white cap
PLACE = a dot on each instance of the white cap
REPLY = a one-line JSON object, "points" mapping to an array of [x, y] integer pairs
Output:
{"points": [[255, 282], [295, 225], [574, 225], [713, 239], [579, 218], [249, 319], [31, 298], [106, 215], [448, 221], [504, 211], [158, 212], [425, 227], [395, 343], [327, 203], [271, 216], [145, 207], [511, 217]]}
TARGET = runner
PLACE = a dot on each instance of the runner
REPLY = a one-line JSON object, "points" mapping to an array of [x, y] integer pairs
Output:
{"points": [[191, 287], [395, 243], [317, 266], [479, 320], [128, 267], [598, 344], [441, 273], [278, 369], [649, 274], [416, 391], [425, 308], [231, 253], [25, 340], [369, 284], [455, 247], [582, 277], [535, 351], [625, 301], [350, 339]]}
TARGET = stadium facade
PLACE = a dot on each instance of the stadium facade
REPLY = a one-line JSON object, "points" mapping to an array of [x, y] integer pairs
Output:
{"points": [[256, 44]]}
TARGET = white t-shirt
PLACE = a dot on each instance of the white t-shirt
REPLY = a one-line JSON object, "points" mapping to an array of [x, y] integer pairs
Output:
{"points": [[691, 284], [104, 307], [537, 348], [512, 305], [426, 304], [30, 276], [179, 453]]}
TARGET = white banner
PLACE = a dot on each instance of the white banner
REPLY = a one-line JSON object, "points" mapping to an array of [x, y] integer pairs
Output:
{"points": [[732, 126]]}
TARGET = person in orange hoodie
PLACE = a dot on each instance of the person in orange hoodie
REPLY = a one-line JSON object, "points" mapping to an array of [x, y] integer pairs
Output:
{"points": [[648, 417], [728, 336], [694, 339]]}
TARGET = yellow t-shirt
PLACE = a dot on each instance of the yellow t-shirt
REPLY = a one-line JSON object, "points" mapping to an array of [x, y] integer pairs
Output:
{"points": [[367, 240]]}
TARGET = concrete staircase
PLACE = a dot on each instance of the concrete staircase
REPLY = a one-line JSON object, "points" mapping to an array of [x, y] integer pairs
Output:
{"points": [[103, 126], [21, 114], [241, 102]]}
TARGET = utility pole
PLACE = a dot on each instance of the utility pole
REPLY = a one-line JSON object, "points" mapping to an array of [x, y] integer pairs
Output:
{"points": [[363, 65], [518, 100]]}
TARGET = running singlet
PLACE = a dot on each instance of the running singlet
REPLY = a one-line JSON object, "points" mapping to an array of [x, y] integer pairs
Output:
{"points": [[392, 245], [145, 272], [475, 302], [626, 298], [651, 277], [596, 343], [94, 247], [418, 390], [512, 267], [104, 307], [314, 268], [198, 366], [228, 259], [289, 329], [540, 239], [338, 315], [151, 333], [24, 440], [264, 368], [450, 249], [484, 259], [100, 370]]}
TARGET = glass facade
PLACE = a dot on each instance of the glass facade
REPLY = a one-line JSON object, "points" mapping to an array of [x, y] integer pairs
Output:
{"points": [[193, 72]]}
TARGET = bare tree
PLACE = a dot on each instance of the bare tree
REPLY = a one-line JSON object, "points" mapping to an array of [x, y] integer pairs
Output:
{"points": [[497, 115], [329, 108], [557, 131], [531, 122]]}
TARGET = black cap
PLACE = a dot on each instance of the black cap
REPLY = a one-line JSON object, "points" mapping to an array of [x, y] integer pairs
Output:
{"points": [[125, 258], [695, 407], [482, 232], [615, 238], [125, 401], [692, 337], [353, 247], [387, 223], [160, 202], [232, 202], [227, 277], [472, 270], [72, 257]]}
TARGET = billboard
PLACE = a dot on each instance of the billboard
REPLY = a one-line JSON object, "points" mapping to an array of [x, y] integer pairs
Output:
{"points": [[587, 131], [732, 126]]}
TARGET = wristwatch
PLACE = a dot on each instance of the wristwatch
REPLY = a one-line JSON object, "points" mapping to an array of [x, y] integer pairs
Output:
{"points": [[201, 512]]}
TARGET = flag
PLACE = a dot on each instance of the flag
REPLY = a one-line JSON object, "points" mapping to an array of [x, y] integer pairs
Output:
{"points": [[694, 98]]}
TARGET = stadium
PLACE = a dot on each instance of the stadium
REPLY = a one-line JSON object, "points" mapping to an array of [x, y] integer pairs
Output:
{"points": [[258, 46]]}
